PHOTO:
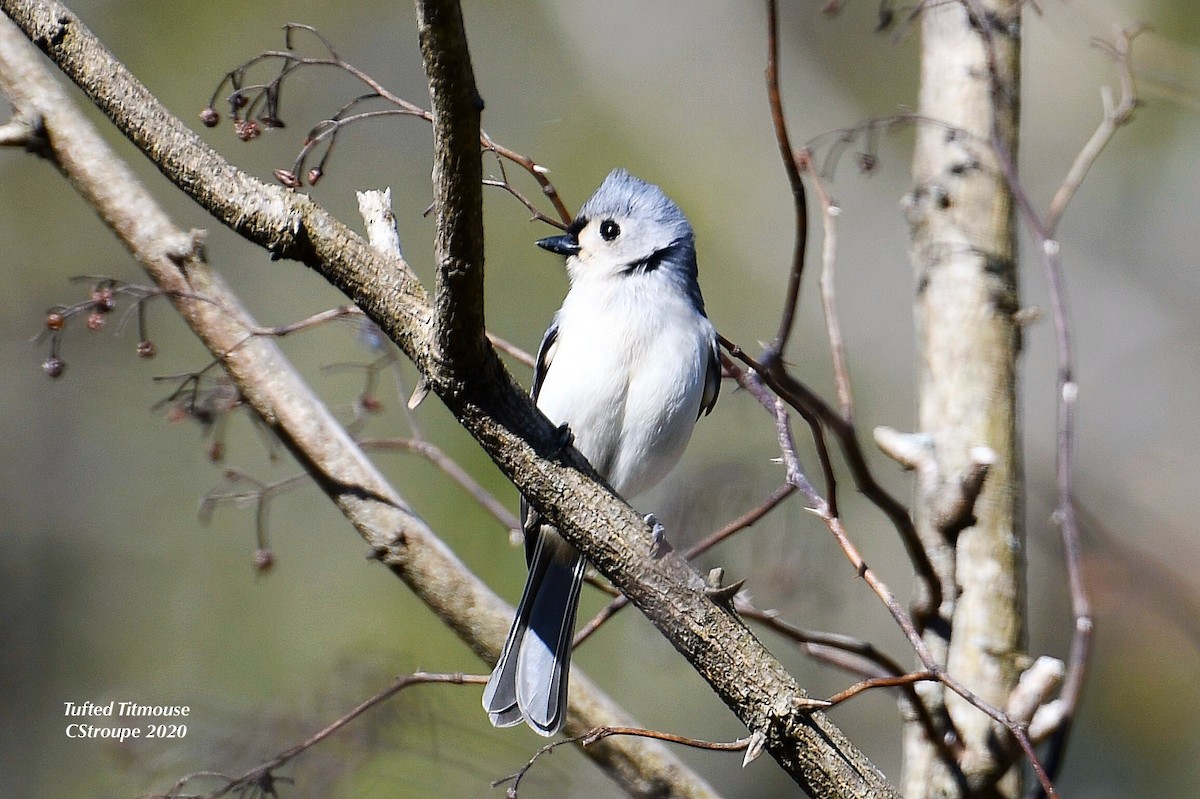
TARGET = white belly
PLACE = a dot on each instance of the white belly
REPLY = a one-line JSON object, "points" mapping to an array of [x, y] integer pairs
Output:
{"points": [[628, 381]]}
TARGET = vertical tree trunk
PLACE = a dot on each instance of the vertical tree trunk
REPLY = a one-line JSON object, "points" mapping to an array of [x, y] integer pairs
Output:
{"points": [[963, 250]]}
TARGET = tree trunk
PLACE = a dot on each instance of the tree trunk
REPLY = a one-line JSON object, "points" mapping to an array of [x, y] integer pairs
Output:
{"points": [[963, 250]]}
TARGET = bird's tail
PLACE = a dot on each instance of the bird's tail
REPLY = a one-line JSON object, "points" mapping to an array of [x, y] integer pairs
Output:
{"points": [[530, 679]]}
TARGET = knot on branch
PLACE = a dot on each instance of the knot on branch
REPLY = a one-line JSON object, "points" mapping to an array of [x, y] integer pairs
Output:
{"points": [[27, 130], [1030, 703], [954, 496]]}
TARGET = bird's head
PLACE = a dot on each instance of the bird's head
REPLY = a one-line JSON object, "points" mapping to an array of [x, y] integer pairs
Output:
{"points": [[628, 227]]}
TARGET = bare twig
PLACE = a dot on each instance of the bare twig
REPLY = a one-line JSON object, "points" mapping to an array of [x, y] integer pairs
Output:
{"points": [[539, 173], [735, 526], [898, 681], [808, 403], [752, 382], [600, 733], [260, 495], [246, 100], [315, 320], [263, 775], [536, 213], [1115, 116], [936, 671], [833, 328], [507, 347], [792, 168], [856, 657], [432, 453]]}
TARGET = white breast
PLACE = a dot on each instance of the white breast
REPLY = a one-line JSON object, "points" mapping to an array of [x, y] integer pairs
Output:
{"points": [[627, 377]]}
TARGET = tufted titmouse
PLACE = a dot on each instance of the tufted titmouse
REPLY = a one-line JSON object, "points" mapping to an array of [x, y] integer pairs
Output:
{"points": [[628, 364]]}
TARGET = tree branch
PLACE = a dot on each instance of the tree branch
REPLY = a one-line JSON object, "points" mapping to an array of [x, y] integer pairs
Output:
{"points": [[791, 166], [963, 251], [458, 338]]}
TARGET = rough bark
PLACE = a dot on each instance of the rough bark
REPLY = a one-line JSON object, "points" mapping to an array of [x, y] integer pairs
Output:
{"points": [[964, 257]]}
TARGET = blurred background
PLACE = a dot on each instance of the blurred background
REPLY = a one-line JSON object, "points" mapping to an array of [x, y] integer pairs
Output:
{"points": [[112, 588]]}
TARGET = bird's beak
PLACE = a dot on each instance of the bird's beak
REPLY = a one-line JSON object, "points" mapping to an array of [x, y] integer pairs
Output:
{"points": [[566, 244]]}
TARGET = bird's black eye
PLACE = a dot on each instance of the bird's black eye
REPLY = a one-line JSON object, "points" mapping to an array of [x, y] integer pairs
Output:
{"points": [[609, 230]]}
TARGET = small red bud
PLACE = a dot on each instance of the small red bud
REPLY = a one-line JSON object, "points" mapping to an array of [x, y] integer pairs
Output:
{"points": [[216, 451], [146, 349], [263, 560], [53, 366], [238, 100], [177, 414], [102, 297], [287, 178], [95, 320], [55, 321], [314, 175], [247, 129], [210, 117], [370, 403]]}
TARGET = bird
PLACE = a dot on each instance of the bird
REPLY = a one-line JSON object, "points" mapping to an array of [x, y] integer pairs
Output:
{"points": [[626, 368]]}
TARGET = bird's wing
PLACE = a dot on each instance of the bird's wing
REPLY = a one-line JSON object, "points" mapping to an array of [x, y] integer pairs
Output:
{"points": [[530, 521], [544, 356], [712, 379]]}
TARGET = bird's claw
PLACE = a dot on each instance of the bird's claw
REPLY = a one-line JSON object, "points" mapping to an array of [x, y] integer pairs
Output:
{"points": [[564, 438], [659, 545]]}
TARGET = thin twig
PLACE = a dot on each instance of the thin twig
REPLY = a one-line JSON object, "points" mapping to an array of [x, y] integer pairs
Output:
{"points": [[264, 772], [1114, 117], [700, 547], [536, 214], [319, 318], [246, 99], [821, 508], [833, 328], [260, 494], [899, 681], [809, 404], [792, 167], [450, 467], [597, 734], [752, 382], [858, 657], [507, 347]]}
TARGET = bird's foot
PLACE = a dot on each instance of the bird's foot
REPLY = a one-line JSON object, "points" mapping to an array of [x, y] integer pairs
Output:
{"points": [[564, 438], [659, 545]]}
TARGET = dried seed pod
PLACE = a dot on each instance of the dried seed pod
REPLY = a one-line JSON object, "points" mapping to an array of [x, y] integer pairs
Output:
{"points": [[53, 366]]}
